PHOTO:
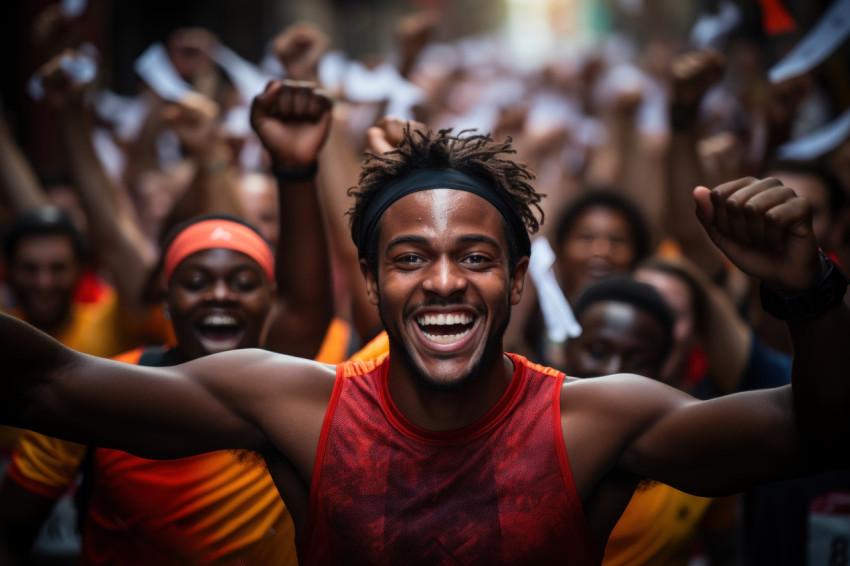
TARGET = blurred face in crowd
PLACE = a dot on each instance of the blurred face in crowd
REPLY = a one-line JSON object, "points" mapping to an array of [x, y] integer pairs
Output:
{"points": [[66, 198], [616, 338], [258, 197], [678, 296], [189, 50], [218, 300], [43, 274], [599, 245]]}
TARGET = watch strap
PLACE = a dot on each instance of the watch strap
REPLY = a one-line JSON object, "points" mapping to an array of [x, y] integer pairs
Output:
{"points": [[811, 303]]}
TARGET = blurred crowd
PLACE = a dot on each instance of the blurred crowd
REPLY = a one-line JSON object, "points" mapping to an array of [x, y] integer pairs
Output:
{"points": [[618, 134]]}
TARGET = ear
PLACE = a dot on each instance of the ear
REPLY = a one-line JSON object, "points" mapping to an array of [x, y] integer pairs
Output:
{"points": [[518, 279], [371, 282]]}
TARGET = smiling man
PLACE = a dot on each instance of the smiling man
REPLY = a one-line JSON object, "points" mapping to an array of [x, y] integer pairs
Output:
{"points": [[449, 450]]}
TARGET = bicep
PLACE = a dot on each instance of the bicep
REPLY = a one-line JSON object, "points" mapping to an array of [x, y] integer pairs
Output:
{"points": [[719, 446], [163, 412]]}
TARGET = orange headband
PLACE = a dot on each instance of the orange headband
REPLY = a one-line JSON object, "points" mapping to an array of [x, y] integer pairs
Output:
{"points": [[217, 233]]}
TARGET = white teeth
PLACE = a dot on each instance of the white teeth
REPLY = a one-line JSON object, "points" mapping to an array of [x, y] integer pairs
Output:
{"points": [[446, 339], [444, 319], [219, 320]]}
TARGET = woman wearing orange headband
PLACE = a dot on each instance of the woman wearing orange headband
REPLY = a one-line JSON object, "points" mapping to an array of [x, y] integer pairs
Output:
{"points": [[222, 292]]}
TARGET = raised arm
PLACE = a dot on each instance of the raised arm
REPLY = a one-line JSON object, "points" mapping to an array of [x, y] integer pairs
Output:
{"points": [[194, 120], [766, 230], [292, 119], [121, 246], [730, 443], [18, 183], [692, 74]]}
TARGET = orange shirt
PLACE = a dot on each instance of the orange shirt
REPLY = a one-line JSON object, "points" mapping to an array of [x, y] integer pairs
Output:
{"points": [[212, 508]]}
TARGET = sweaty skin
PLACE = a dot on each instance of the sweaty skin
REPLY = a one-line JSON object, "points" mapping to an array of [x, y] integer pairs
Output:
{"points": [[615, 428]]}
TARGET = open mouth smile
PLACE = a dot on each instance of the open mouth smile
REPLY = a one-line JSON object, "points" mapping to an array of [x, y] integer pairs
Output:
{"points": [[446, 328], [219, 327]]}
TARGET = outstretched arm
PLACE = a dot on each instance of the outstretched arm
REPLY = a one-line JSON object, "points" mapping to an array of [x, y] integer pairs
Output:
{"points": [[292, 119], [730, 443], [239, 399]]}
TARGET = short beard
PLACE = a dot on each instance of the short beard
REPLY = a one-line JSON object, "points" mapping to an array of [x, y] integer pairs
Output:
{"points": [[492, 348], [53, 323]]}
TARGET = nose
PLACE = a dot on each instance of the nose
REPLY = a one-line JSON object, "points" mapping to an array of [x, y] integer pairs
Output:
{"points": [[602, 247], [444, 278], [220, 291], [43, 279]]}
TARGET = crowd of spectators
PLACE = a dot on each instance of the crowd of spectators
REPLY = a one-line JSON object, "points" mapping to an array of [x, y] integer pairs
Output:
{"points": [[618, 134]]}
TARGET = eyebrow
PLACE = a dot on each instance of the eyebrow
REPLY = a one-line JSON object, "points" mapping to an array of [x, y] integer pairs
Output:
{"points": [[412, 239]]}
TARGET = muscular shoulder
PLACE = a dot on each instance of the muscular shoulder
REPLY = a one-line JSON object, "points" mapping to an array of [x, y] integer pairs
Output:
{"points": [[284, 396], [602, 416], [255, 374], [624, 393]]}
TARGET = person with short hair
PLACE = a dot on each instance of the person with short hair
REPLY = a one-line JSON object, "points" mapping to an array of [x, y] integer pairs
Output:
{"points": [[449, 449], [627, 327], [223, 291]]}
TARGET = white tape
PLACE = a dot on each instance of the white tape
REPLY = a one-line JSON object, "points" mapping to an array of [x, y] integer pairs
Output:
{"points": [[829, 33], [80, 67], [72, 8], [711, 30], [819, 142], [157, 70], [558, 316], [248, 78], [111, 156]]}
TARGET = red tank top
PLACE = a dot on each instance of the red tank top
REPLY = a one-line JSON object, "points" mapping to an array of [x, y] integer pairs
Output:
{"points": [[500, 491]]}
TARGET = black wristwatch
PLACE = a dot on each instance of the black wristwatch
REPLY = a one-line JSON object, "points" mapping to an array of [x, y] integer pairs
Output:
{"points": [[811, 303]]}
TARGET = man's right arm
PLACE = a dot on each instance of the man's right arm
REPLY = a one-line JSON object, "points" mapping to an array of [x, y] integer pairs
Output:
{"points": [[213, 403]]}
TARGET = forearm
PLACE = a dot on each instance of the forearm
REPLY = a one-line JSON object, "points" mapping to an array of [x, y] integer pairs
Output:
{"points": [[302, 271], [17, 179], [30, 360], [212, 190], [641, 173], [683, 173], [333, 184], [162, 412], [217, 182], [120, 244], [821, 380], [726, 337]]}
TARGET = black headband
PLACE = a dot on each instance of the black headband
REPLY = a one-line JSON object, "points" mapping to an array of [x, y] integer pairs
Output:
{"points": [[427, 179]]}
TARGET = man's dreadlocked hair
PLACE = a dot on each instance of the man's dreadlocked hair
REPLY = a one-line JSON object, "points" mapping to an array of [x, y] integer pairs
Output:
{"points": [[474, 154]]}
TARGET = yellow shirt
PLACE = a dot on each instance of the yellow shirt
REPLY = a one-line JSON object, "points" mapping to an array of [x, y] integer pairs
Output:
{"points": [[657, 528]]}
